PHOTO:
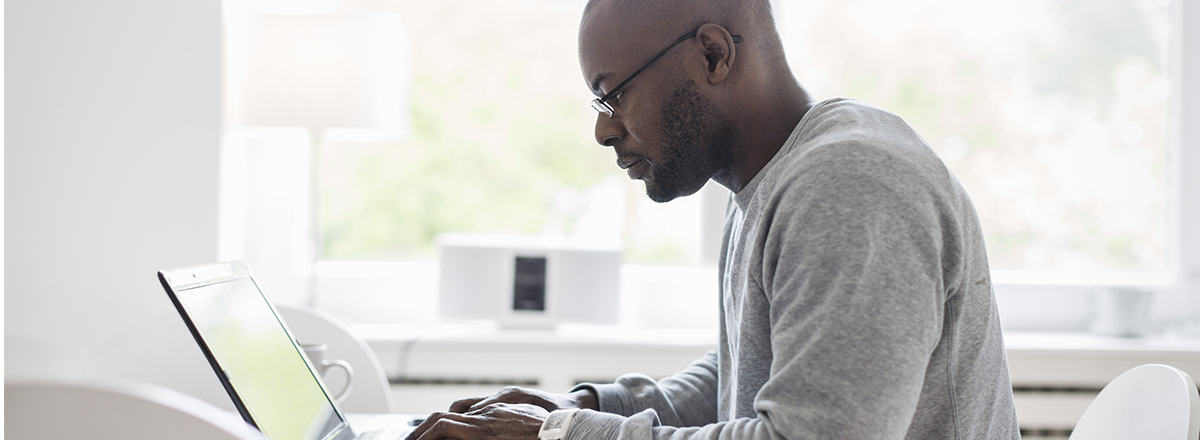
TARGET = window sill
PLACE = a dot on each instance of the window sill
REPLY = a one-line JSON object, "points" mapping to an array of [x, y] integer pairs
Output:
{"points": [[686, 297], [397, 344]]}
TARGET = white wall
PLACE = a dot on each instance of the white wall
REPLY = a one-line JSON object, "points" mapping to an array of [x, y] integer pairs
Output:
{"points": [[113, 119], [1186, 152]]}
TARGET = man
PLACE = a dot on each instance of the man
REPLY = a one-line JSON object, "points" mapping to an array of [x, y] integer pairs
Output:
{"points": [[856, 298]]}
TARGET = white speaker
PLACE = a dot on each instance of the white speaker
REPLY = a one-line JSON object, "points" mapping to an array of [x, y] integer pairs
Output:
{"points": [[527, 281]]}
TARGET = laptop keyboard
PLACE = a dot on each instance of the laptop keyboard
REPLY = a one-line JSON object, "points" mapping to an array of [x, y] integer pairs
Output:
{"points": [[386, 434]]}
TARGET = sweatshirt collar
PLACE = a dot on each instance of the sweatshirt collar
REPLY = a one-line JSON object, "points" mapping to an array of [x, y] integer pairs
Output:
{"points": [[743, 197]]}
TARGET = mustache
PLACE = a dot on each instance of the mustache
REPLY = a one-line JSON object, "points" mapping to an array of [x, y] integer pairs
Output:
{"points": [[627, 161]]}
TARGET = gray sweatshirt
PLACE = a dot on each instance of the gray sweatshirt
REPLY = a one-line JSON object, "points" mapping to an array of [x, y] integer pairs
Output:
{"points": [[856, 303]]}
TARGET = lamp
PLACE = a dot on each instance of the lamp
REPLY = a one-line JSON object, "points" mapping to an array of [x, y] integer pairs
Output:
{"points": [[335, 75]]}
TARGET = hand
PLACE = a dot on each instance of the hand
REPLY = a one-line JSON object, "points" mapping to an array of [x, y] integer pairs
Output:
{"points": [[583, 398], [499, 421]]}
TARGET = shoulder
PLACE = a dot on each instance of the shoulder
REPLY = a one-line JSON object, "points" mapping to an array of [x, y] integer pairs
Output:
{"points": [[845, 116], [852, 156], [841, 128]]}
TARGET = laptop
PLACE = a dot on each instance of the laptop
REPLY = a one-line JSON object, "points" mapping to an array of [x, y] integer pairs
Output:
{"points": [[255, 356]]}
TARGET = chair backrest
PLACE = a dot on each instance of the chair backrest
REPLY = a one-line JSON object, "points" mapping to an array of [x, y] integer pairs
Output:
{"points": [[1151, 401], [110, 410], [371, 393]]}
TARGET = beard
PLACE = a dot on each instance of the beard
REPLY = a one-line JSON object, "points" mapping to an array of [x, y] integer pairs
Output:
{"points": [[697, 144]]}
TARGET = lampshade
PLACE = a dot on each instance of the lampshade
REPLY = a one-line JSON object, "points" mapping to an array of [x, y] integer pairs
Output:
{"points": [[343, 70]]}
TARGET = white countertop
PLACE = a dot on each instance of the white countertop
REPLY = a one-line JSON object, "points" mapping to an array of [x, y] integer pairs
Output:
{"points": [[575, 336], [1079, 343], [482, 349], [566, 337]]}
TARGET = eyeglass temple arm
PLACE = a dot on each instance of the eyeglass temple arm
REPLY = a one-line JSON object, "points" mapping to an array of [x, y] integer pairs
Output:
{"points": [[736, 39]]}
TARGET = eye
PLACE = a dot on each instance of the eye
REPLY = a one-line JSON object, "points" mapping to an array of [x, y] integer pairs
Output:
{"points": [[616, 99]]}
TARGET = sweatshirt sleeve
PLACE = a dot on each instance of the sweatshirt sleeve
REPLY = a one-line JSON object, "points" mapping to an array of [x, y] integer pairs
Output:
{"points": [[687, 398], [852, 265], [856, 249]]}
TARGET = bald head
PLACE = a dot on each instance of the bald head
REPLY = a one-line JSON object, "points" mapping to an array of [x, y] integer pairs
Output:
{"points": [[687, 12], [689, 89], [648, 25], [690, 11]]}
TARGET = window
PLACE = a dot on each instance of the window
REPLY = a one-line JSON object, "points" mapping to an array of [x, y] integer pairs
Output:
{"points": [[501, 141], [1054, 114]]}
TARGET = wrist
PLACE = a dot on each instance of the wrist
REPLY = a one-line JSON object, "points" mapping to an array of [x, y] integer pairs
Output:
{"points": [[586, 398], [556, 424]]}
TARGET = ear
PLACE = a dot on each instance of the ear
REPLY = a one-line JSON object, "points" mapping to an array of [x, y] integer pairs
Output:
{"points": [[719, 51]]}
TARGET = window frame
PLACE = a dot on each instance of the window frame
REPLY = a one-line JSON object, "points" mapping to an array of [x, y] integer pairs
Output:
{"points": [[1029, 301]]}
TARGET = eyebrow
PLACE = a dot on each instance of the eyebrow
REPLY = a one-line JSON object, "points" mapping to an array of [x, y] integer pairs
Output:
{"points": [[596, 82]]}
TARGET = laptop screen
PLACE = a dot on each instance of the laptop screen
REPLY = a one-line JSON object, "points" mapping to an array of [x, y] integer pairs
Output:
{"points": [[263, 366]]}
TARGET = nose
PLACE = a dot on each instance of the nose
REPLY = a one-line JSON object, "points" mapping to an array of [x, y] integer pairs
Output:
{"points": [[608, 130]]}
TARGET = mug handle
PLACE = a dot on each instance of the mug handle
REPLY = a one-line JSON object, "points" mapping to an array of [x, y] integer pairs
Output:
{"points": [[349, 376]]}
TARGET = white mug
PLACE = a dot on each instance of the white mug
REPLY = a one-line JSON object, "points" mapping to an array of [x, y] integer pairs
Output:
{"points": [[316, 355]]}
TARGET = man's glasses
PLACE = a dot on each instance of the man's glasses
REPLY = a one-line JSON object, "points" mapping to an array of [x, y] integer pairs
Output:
{"points": [[601, 104]]}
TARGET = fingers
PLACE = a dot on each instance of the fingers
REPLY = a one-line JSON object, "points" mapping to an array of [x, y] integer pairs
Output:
{"points": [[500, 421], [446, 426], [515, 395], [452, 430], [464, 405]]}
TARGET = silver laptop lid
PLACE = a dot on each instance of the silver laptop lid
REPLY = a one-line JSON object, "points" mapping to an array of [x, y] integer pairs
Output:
{"points": [[253, 353]]}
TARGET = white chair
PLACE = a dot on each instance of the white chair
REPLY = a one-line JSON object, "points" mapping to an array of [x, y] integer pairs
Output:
{"points": [[111, 410], [371, 392], [1151, 401]]}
